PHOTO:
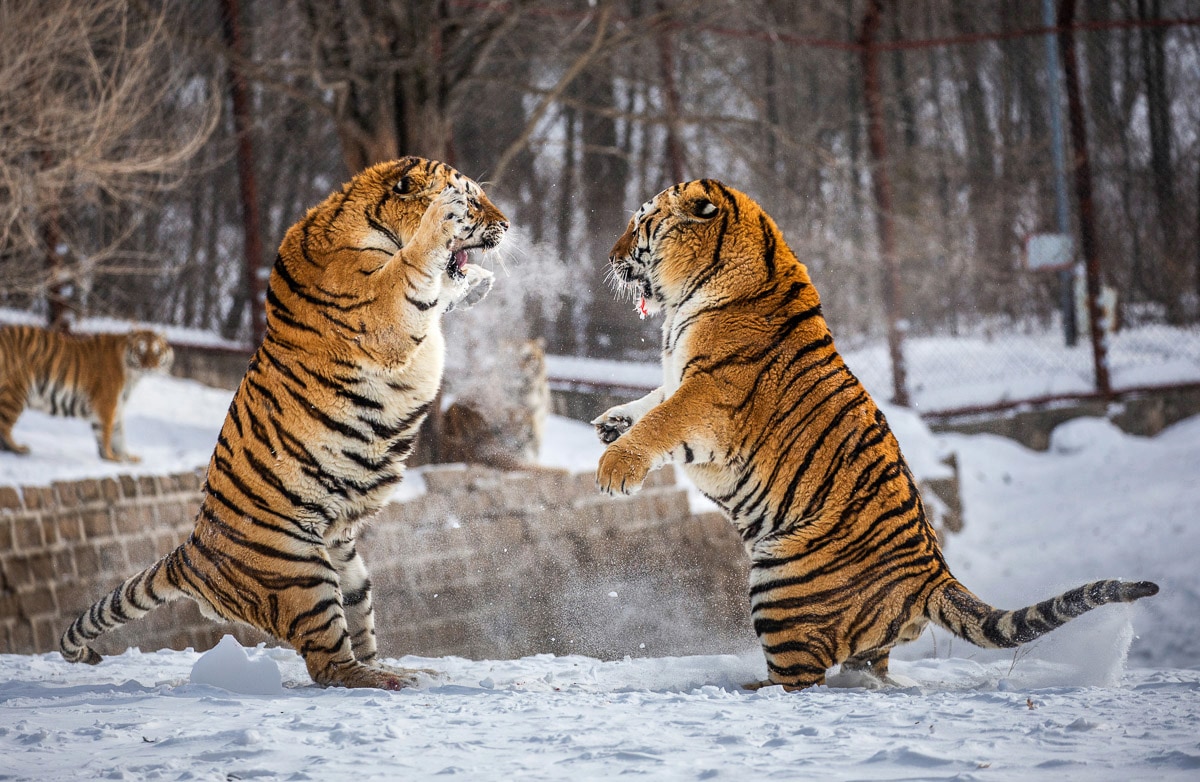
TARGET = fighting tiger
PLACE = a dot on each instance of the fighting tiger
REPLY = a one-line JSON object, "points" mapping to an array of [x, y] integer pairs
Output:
{"points": [[767, 420], [319, 429], [78, 375]]}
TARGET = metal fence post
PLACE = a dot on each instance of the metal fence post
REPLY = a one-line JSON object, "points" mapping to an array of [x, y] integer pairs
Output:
{"points": [[882, 187], [1083, 192]]}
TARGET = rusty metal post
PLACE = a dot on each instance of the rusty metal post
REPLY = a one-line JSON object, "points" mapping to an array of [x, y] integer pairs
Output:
{"points": [[882, 187], [1083, 193], [255, 279]]}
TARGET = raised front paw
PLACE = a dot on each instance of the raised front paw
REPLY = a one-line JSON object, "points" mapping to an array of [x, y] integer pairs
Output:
{"points": [[612, 424], [473, 284], [444, 222], [622, 469]]}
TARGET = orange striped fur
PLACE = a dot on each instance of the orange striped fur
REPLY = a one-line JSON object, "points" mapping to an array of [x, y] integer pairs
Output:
{"points": [[83, 376], [767, 420], [319, 429]]}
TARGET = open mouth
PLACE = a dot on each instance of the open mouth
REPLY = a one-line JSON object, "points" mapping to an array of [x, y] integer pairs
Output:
{"points": [[458, 260]]}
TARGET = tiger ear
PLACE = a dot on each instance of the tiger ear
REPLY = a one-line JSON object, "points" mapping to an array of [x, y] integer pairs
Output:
{"points": [[704, 209], [404, 186]]}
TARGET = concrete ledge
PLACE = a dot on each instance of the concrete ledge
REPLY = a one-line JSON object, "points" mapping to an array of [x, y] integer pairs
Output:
{"points": [[1143, 412]]}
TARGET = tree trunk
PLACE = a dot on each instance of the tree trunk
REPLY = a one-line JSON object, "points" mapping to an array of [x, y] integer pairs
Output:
{"points": [[1158, 110], [604, 175]]}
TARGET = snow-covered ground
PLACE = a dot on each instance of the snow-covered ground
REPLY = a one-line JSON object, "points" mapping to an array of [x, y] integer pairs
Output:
{"points": [[1113, 696]]}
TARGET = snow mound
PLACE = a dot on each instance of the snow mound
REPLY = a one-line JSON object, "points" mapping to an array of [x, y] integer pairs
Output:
{"points": [[1080, 434], [228, 666]]}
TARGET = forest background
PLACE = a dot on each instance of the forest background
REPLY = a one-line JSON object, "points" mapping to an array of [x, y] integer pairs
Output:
{"points": [[152, 154]]}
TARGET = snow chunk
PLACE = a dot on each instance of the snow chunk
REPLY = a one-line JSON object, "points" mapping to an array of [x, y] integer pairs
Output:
{"points": [[228, 666]]}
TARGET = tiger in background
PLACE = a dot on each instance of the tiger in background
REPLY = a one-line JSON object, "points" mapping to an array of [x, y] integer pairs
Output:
{"points": [[768, 421], [78, 375], [319, 429], [501, 426]]}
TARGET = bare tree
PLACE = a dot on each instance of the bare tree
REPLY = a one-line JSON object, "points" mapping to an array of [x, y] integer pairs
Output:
{"points": [[396, 71], [83, 91]]}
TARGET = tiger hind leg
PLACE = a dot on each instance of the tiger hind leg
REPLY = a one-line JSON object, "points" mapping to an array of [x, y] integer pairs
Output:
{"points": [[873, 662], [308, 610], [12, 404], [792, 662], [133, 599], [357, 605]]}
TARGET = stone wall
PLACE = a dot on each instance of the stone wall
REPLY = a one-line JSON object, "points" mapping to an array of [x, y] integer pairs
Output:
{"points": [[482, 564], [1144, 412]]}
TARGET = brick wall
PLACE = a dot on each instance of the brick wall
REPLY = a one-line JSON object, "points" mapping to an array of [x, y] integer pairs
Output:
{"points": [[483, 564]]}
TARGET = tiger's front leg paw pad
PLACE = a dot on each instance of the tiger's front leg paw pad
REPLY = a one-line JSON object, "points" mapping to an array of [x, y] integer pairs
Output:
{"points": [[621, 470], [611, 426]]}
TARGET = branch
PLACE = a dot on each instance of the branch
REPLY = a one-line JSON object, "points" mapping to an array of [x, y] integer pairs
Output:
{"points": [[576, 68]]}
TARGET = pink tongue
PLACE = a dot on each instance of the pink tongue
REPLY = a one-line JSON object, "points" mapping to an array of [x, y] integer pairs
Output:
{"points": [[641, 308], [460, 258]]}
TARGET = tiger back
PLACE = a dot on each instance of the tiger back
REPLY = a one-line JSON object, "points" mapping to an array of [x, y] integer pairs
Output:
{"points": [[320, 427], [769, 422], [86, 376]]}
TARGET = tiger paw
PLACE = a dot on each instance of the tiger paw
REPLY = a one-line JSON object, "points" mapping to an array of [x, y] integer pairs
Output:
{"points": [[444, 222], [120, 457], [622, 469], [8, 444], [612, 424], [409, 677], [472, 285], [360, 675]]}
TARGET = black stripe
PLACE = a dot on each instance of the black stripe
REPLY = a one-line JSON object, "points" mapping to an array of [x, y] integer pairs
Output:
{"points": [[768, 238], [423, 306]]}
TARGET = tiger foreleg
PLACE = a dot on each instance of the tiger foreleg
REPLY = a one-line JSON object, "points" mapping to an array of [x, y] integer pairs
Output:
{"points": [[616, 421], [110, 440], [670, 431]]}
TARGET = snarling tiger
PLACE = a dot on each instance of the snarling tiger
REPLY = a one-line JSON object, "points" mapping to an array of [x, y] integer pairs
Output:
{"points": [[79, 375], [769, 422], [319, 429]]}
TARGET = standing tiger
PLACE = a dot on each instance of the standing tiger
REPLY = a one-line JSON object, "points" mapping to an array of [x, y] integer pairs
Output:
{"points": [[321, 424], [83, 376], [769, 422]]}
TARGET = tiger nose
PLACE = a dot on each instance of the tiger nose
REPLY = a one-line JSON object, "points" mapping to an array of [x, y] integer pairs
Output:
{"points": [[622, 247]]}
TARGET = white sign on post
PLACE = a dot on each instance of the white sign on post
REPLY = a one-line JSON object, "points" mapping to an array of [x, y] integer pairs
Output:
{"points": [[1049, 252]]}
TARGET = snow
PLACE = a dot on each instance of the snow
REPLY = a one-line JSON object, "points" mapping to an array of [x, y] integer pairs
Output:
{"points": [[1114, 695]]}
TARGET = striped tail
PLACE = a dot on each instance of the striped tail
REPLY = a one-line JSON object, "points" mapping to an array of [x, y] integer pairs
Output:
{"points": [[133, 599], [962, 613]]}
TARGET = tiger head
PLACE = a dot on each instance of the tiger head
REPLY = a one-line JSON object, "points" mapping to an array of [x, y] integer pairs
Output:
{"points": [[687, 236], [355, 231], [147, 351]]}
